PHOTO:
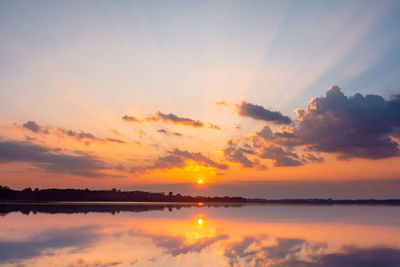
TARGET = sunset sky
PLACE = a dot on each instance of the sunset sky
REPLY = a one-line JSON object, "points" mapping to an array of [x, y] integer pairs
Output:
{"points": [[273, 99]]}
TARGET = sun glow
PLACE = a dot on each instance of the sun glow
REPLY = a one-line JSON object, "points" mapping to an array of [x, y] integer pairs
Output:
{"points": [[200, 220], [200, 181]]}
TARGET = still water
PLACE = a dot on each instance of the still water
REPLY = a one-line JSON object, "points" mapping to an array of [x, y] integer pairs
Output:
{"points": [[199, 235]]}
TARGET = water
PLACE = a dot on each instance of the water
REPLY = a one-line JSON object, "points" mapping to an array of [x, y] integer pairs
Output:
{"points": [[199, 235]]}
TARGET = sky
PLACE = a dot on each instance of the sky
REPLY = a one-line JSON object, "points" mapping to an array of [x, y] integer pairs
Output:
{"points": [[273, 99]]}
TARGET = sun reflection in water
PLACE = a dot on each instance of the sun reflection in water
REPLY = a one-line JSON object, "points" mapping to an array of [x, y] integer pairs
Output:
{"points": [[200, 221]]}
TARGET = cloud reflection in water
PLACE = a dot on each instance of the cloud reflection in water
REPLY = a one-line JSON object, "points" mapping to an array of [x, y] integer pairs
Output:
{"points": [[186, 237]]}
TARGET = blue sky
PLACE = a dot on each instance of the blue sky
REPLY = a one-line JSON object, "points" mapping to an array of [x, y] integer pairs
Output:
{"points": [[82, 65]]}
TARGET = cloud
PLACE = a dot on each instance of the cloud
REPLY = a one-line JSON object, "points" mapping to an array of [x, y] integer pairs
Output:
{"points": [[257, 112], [115, 140], [280, 252], [199, 158], [97, 263], [34, 127], [308, 157], [37, 245], [163, 131], [45, 158], [262, 251], [177, 245], [171, 118], [239, 249], [223, 103], [214, 126], [235, 154], [84, 136], [280, 156], [129, 118], [177, 134], [352, 127], [78, 136], [177, 159]]}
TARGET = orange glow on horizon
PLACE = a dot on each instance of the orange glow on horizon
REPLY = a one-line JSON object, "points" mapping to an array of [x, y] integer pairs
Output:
{"points": [[200, 181]]}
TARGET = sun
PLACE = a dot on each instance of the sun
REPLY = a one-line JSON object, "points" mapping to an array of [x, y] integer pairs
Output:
{"points": [[200, 181]]}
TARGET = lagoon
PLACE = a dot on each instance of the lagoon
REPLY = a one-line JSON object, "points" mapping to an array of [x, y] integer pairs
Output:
{"points": [[160, 234]]}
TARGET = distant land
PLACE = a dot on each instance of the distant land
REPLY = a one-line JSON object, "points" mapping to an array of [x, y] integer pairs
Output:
{"points": [[27, 195]]}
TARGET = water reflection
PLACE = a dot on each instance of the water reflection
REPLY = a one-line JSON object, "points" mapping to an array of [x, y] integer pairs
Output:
{"points": [[88, 235]]}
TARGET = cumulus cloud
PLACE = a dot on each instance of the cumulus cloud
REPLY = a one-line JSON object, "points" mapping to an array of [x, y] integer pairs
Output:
{"points": [[349, 127], [257, 112], [353, 127], [46, 159], [238, 154], [281, 156], [262, 251], [255, 251], [177, 159]]}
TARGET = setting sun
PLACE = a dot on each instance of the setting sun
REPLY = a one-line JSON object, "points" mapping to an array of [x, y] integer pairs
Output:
{"points": [[200, 181]]}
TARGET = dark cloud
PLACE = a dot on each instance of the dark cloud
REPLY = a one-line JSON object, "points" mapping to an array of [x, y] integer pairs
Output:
{"points": [[174, 119], [177, 159], [350, 127], [37, 245], [115, 140], [177, 134], [260, 113], [129, 118], [97, 263], [199, 158], [163, 131], [79, 136], [34, 127], [235, 154], [308, 157], [171, 118], [87, 137], [353, 127], [46, 159], [280, 156]]}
